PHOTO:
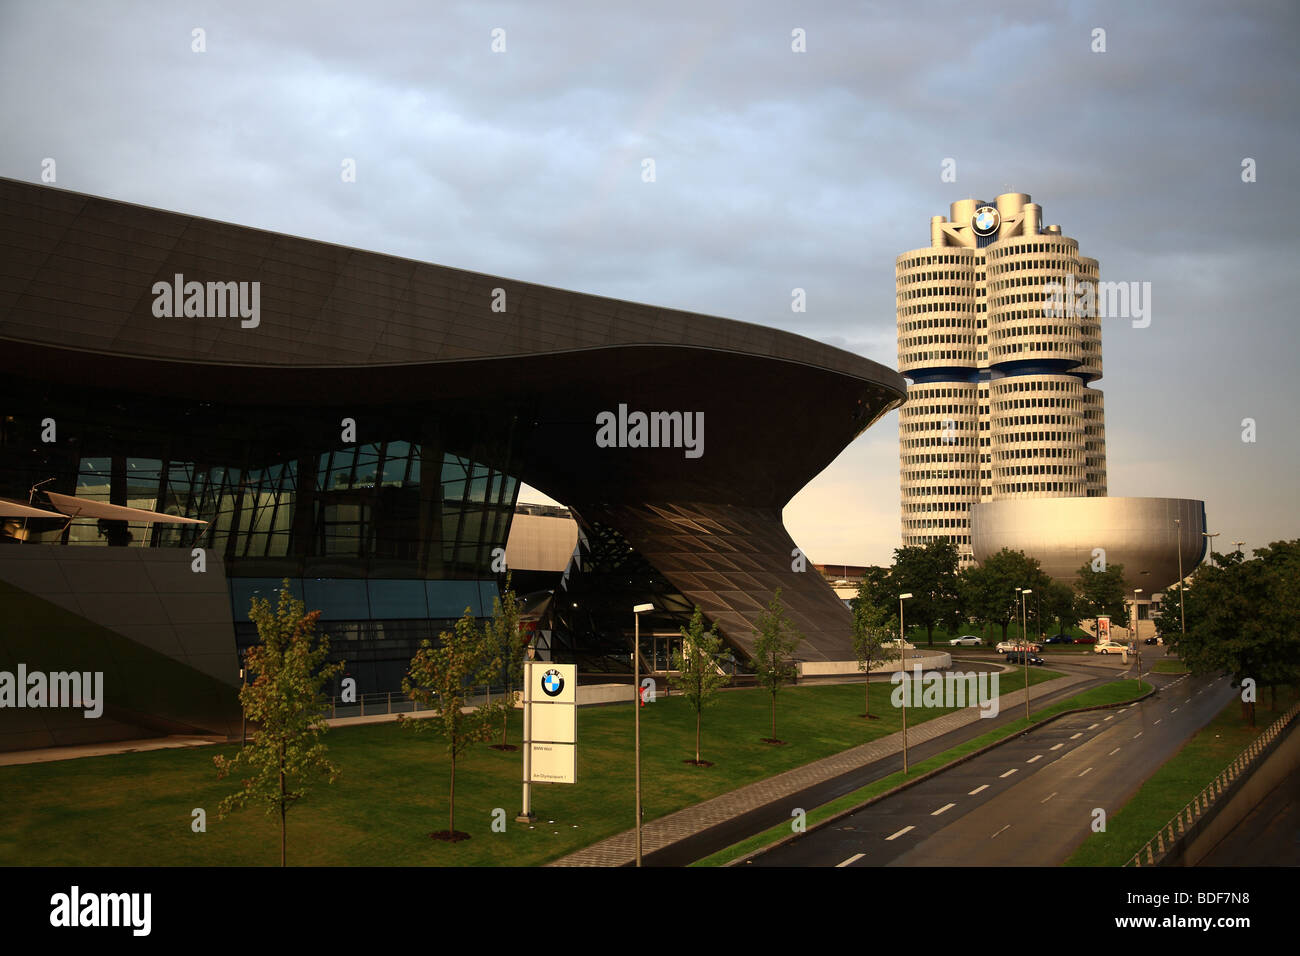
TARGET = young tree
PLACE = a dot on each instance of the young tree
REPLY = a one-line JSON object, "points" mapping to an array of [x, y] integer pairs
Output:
{"points": [[1102, 593], [989, 589], [440, 677], [775, 641], [286, 704], [506, 650], [700, 677], [930, 573], [1058, 605], [873, 625]]}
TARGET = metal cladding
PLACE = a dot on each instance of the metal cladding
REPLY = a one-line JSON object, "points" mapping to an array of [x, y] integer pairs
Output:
{"points": [[508, 374], [1144, 535]]}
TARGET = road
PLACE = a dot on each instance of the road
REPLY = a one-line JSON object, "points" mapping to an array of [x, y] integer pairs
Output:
{"points": [[1268, 836], [1029, 802]]}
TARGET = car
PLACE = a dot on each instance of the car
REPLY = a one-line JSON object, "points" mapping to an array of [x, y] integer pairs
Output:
{"points": [[1006, 646], [1085, 640], [1018, 657], [1109, 647], [1059, 639], [966, 640], [1152, 641]]}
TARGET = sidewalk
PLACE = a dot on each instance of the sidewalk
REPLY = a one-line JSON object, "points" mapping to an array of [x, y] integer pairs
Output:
{"points": [[620, 850]]}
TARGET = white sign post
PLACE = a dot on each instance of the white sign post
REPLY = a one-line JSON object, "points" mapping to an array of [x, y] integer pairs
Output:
{"points": [[550, 727]]}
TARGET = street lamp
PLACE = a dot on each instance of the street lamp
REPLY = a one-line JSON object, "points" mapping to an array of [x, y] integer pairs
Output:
{"points": [[1137, 643], [902, 666], [1182, 608], [1239, 544], [1025, 639], [1206, 534], [636, 709]]}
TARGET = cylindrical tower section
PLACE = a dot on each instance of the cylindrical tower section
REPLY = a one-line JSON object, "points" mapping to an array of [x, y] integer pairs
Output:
{"points": [[1089, 323], [937, 238], [1094, 443], [936, 293], [938, 431], [1036, 425], [1009, 206], [1032, 321]]}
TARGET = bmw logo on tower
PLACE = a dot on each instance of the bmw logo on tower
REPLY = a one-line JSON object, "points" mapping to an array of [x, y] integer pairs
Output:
{"points": [[986, 220]]}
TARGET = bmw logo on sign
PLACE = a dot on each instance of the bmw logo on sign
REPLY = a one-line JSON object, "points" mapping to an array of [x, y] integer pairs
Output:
{"points": [[985, 221], [552, 683]]}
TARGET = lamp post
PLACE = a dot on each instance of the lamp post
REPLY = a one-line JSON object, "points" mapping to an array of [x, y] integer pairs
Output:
{"points": [[1137, 643], [636, 709], [1024, 637], [902, 666], [1239, 544], [1182, 608], [1206, 534]]}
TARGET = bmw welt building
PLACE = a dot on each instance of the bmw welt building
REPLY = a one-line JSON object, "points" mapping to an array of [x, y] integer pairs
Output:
{"points": [[192, 411]]}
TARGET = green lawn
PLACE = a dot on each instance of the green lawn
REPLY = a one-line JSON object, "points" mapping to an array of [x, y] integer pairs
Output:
{"points": [[1168, 666], [1105, 694], [135, 809], [1174, 785]]}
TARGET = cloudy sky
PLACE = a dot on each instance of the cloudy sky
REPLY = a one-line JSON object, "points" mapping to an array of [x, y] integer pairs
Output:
{"points": [[775, 169]]}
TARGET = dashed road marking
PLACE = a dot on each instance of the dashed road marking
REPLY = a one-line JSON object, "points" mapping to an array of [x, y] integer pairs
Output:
{"points": [[1049, 796], [1093, 725], [1007, 827], [1137, 735], [1111, 717], [1009, 772], [1085, 772], [1034, 757], [1074, 736], [1158, 721], [1057, 746], [1174, 711], [895, 836], [853, 859], [943, 809], [982, 786], [1113, 752]]}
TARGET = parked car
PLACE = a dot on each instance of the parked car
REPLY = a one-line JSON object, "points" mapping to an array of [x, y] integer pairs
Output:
{"points": [[1152, 640], [1004, 646], [1018, 657], [966, 640], [1059, 639], [1085, 640], [1109, 647]]}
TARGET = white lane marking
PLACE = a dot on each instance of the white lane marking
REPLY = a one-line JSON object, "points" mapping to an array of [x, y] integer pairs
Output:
{"points": [[1085, 772], [1007, 827], [1008, 773], [1034, 757], [1074, 736], [943, 809], [1094, 725], [1049, 796], [1111, 717], [982, 786], [1057, 746], [853, 859], [1174, 711], [1158, 721], [1113, 752], [895, 836]]}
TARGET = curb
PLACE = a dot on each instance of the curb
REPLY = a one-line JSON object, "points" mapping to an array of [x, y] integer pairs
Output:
{"points": [[932, 773]]}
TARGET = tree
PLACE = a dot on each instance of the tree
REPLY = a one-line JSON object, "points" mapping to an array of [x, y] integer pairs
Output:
{"points": [[1102, 593], [930, 574], [286, 703], [775, 641], [440, 677], [506, 651], [699, 675], [1058, 605], [1242, 618], [989, 589], [873, 625]]}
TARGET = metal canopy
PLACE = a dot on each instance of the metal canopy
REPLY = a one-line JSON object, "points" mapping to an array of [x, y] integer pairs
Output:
{"points": [[83, 508], [16, 509]]}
